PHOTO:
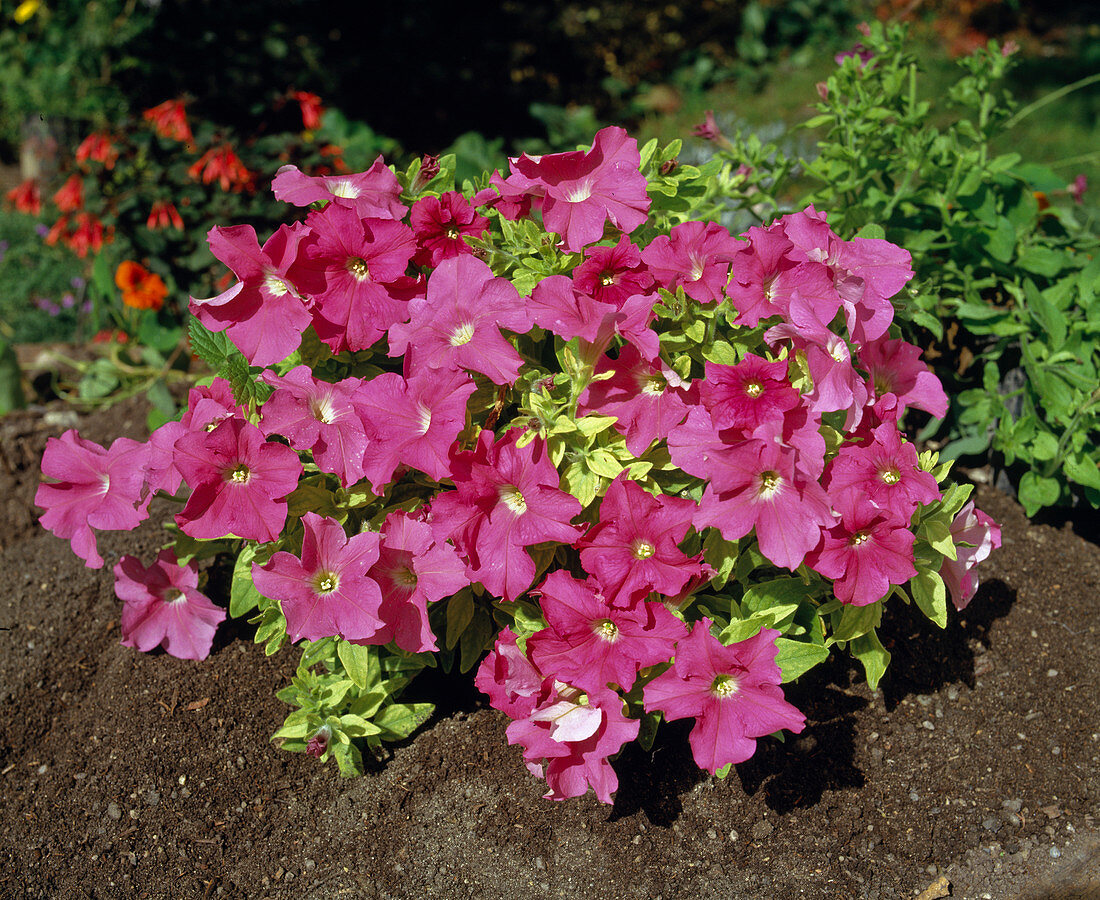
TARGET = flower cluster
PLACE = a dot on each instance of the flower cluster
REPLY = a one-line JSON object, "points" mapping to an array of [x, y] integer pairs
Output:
{"points": [[666, 462]]}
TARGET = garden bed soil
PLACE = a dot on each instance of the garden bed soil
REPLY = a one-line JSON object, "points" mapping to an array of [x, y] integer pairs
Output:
{"points": [[974, 771]]}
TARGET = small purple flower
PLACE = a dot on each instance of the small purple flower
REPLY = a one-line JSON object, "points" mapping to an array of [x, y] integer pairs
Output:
{"points": [[68, 301], [1078, 188], [318, 744], [41, 230], [77, 283], [47, 305]]}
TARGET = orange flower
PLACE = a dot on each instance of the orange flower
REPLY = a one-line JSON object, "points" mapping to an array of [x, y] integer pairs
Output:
{"points": [[170, 121], [26, 197], [141, 289], [71, 195]]}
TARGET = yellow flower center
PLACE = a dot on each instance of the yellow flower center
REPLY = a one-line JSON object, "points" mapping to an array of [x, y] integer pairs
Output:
{"points": [[239, 474], [606, 630], [463, 334], [642, 549], [724, 686], [858, 539], [754, 388], [511, 497], [359, 268], [890, 476], [325, 582]]}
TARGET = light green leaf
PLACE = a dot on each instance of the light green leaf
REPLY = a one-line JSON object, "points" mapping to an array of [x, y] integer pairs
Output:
{"points": [[400, 720], [930, 595], [875, 658], [797, 657], [356, 661]]}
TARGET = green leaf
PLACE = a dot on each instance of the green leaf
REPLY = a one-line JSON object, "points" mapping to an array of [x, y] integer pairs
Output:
{"points": [[603, 463], [475, 640], [1082, 469], [767, 595], [460, 610], [11, 386], [1043, 260], [99, 381], [400, 720], [875, 658], [356, 661], [243, 596], [856, 621], [1036, 492], [796, 658], [930, 595], [1000, 242]]}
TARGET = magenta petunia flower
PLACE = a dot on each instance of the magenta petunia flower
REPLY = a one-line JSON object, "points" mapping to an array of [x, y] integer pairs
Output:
{"points": [[95, 488], [440, 224], [320, 417], [613, 274], [696, 256], [509, 678], [975, 536], [327, 591], [457, 325], [733, 693], [162, 606], [895, 368], [633, 549], [748, 394], [581, 190], [864, 553], [569, 736], [558, 306], [647, 398], [413, 569], [885, 472], [507, 499], [590, 643], [375, 192], [239, 482], [761, 488], [354, 269], [412, 422], [264, 314]]}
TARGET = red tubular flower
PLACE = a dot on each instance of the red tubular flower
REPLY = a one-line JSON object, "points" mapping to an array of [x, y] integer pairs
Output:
{"points": [[311, 107], [97, 147], [71, 195], [223, 165], [26, 197], [89, 235], [163, 214], [170, 121]]}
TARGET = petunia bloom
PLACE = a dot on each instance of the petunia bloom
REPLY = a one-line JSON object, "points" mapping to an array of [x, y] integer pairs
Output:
{"points": [[440, 223], [975, 535], [326, 592], [95, 488], [162, 606], [375, 193], [732, 692], [239, 482]]}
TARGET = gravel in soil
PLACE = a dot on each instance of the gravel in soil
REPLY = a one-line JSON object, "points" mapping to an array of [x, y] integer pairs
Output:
{"points": [[973, 772]]}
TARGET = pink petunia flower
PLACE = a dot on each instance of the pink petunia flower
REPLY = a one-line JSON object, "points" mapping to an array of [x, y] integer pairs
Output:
{"points": [[864, 553], [374, 193], [733, 693], [613, 274], [648, 399], [569, 736], [558, 306], [457, 324], [354, 270], [412, 422], [509, 678], [506, 499], [162, 606], [582, 190], [320, 417], [264, 314], [590, 643], [327, 591], [413, 570], [975, 535], [95, 488], [633, 549], [239, 482], [748, 394], [885, 473], [895, 368], [440, 224], [761, 488], [695, 255]]}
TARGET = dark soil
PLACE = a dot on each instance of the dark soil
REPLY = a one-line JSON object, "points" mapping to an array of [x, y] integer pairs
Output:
{"points": [[130, 775]]}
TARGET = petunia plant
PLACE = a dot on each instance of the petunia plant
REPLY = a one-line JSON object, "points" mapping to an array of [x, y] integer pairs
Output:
{"points": [[553, 426]]}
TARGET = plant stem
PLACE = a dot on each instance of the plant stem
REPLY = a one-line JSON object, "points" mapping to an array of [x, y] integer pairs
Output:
{"points": [[1051, 97]]}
